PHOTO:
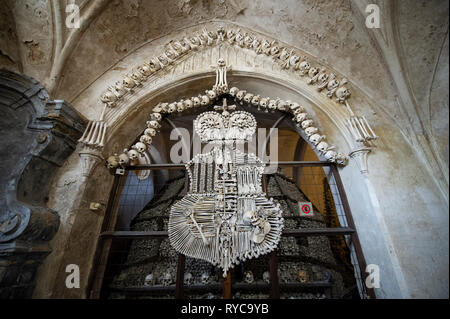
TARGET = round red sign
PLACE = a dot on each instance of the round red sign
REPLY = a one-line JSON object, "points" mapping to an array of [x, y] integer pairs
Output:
{"points": [[306, 209]]}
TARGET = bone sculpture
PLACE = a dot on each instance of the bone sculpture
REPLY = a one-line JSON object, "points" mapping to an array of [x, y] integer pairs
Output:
{"points": [[225, 217]]}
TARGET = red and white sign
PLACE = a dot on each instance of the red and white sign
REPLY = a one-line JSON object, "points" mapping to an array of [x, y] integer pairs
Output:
{"points": [[305, 208]]}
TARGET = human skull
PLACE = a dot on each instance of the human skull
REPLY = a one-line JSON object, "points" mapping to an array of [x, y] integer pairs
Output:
{"points": [[332, 84], [233, 91], [300, 117], [274, 50], [266, 277], [211, 94], [137, 77], [342, 94], [240, 95], [123, 159], [316, 138], [307, 123], [264, 102], [311, 130], [150, 132], [163, 59], [145, 69], [297, 108], [322, 147], [272, 104], [331, 156], [302, 276], [164, 107], [133, 155], [172, 107], [140, 147], [281, 105], [294, 60], [180, 106], [205, 100], [323, 78], [205, 278], [188, 279], [188, 103], [156, 116], [256, 43], [112, 161], [108, 98], [149, 280], [248, 217], [196, 100], [255, 100], [304, 67], [154, 65], [145, 139], [248, 97], [129, 82], [248, 277], [166, 279], [153, 124], [312, 72], [341, 159]]}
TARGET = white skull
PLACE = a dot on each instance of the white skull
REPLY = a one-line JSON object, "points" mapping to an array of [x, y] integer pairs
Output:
{"points": [[301, 117], [112, 161], [331, 156], [294, 60], [322, 147], [150, 132], [129, 82], [240, 95], [154, 65], [153, 124], [188, 279], [149, 280], [323, 78], [180, 107], [123, 159], [341, 159], [145, 139], [332, 84], [133, 155], [156, 116], [248, 277], [248, 217], [164, 107], [234, 91], [272, 104], [196, 100], [188, 103], [172, 107], [145, 69], [311, 130], [166, 279], [248, 97], [297, 108], [266, 277], [205, 278], [312, 72], [307, 123], [316, 138], [255, 100], [211, 94], [108, 98], [342, 94], [304, 67], [140, 147], [205, 100], [281, 106], [264, 102]]}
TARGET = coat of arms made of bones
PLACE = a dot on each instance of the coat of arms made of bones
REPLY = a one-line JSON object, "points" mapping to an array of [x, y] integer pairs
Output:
{"points": [[225, 217]]}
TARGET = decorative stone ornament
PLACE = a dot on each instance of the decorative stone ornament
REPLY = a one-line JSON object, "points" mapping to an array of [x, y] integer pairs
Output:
{"points": [[225, 218]]}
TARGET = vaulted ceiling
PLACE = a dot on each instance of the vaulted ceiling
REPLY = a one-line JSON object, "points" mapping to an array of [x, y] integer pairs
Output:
{"points": [[403, 65]]}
